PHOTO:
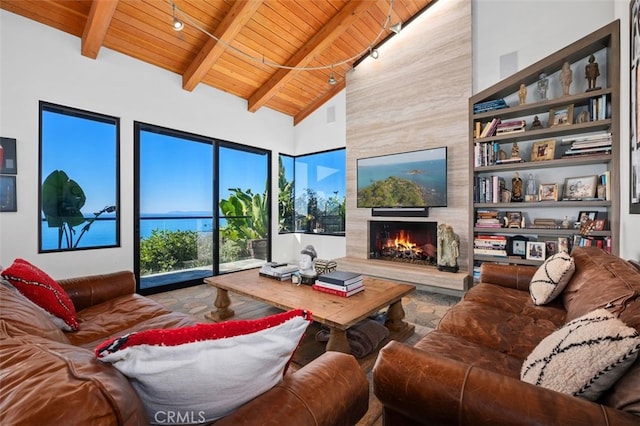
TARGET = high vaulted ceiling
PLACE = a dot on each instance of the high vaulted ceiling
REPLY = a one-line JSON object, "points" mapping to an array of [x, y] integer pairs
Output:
{"points": [[252, 35]]}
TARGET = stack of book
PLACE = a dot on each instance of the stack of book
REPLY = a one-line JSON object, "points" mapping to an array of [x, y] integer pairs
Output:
{"points": [[488, 219], [541, 223], [339, 283], [490, 245], [588, 145], [278, 271], [489, 106], [513, 126]]}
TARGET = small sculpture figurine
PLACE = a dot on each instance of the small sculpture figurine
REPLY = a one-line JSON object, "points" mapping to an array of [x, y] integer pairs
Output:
{"points": [[536, 124], [515, 150], [592, 72], [522, 94], [448, 248], [566, 77], [543, 84], [531, 191], [516, 188], [565, 223], [307, 255]]}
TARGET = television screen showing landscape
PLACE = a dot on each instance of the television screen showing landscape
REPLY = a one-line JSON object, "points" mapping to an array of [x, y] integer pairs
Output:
{"points": [[409, 179]]}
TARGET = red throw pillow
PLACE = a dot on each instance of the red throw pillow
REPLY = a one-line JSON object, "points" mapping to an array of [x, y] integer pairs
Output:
{"points": [[204, 372], [44, 291]]}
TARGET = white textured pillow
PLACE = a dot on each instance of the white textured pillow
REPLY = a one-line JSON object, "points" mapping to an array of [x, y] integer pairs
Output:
{"points": [[551, 278], [204, 372], [585, 357]]}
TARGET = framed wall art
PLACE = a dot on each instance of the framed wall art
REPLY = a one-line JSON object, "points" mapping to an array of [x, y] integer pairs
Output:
{"points": [[8, 161], [8, 194], [634, 110]]}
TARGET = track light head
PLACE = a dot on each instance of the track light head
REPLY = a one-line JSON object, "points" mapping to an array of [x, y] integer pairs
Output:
{"points": [[178, 25], [374, 53], [396, 28]]}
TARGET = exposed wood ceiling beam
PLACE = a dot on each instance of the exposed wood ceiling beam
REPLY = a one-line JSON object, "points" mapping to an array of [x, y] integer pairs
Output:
{"points": [[319, 42], [309, 109], [240, 13], [96, 27]]}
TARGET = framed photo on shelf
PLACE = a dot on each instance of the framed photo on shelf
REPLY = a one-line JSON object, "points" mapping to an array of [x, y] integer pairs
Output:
{"points": [[535, 250], [513, 219], [587, 215], [561, 116], [548, 192], [517, 246], [8, 194], [543, 150], [599, 224], [551, 247], [563, 244], [8, 163], [578, 188]]}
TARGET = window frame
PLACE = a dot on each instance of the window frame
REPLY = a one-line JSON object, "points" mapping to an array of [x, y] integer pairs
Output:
{"points": [[87, 115]]}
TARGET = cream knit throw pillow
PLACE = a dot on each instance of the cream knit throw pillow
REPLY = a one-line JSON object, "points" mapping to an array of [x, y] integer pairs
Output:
{"points": [[585, 357], [551, 278]]}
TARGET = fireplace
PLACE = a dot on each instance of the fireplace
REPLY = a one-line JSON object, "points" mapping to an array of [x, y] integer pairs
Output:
{"points": [[407, 242]]}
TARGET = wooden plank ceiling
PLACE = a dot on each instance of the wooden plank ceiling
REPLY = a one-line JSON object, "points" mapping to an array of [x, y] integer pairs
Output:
{"points": [[251, 36]]}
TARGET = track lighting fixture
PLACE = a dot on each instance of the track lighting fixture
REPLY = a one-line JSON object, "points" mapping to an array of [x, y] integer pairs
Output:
{"points": [[332, 78], [178, 25]]}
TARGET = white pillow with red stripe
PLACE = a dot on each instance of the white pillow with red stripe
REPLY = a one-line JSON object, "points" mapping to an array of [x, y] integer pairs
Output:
{"points": [[204, 372]]}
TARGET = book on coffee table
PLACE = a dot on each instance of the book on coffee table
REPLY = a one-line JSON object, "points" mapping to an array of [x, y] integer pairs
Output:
{"points": [[340, 277]]}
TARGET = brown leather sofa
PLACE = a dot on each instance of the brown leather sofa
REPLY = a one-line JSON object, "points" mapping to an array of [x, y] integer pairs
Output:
{"points": [[48, 376], [467, 371]]}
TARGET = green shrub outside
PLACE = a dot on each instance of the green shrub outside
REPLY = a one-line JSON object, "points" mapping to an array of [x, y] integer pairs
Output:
{"points": [[166, 251]]}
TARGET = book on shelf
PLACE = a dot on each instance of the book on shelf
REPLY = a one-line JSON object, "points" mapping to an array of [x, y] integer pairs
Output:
{"points": [[587, 151], [341, 277], [490, 252], [340, 287], [606, 136], [489, 106], [316, 287], [490, 128], [605, 180], [510, 160]]}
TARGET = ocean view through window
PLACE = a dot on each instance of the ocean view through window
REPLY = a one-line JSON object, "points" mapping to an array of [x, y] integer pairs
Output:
{"points": [[190, 220], [79, 179]]}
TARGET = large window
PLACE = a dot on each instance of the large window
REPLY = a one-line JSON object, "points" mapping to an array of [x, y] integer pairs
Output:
{"points": [[202, 208], [79, 179], [317, 184]]}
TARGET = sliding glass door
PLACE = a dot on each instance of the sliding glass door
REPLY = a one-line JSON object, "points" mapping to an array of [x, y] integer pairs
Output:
{"points": [[202, 208]]}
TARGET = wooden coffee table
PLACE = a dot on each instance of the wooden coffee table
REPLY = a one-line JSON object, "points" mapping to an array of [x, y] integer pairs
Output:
{"points": [[337, 313]]}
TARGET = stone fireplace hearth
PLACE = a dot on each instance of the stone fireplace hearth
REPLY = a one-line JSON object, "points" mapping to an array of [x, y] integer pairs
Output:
{"points": [[403, 241]]}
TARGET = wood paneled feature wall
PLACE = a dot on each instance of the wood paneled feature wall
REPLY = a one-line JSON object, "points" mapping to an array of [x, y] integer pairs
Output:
{"points": [[415, 97]]}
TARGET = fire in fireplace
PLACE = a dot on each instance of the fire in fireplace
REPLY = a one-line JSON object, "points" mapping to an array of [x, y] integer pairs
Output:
{"points": [[408, 242]]}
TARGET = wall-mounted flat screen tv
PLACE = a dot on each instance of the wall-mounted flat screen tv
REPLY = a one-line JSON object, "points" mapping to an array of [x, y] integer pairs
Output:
{"points": [[408, 179]]}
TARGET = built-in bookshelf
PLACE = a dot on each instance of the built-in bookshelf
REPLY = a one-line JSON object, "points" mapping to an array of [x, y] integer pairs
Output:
{"points": [[563, 146]]}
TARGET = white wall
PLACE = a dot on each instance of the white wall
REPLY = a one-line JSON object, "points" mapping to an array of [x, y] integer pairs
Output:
{"points": [[534, 29], [41, 63]]}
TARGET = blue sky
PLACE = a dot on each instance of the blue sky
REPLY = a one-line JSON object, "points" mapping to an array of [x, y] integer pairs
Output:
{"points": [[86, 151], [175, 174]]}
